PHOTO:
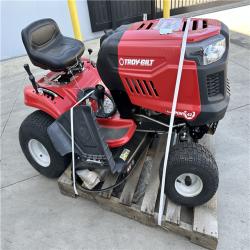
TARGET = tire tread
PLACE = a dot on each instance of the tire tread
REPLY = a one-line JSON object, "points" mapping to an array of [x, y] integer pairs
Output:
{"points": [[36, 125], [191, 155]]}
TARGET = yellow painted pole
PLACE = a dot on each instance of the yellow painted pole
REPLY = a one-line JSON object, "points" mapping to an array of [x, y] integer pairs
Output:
{"points": [[166, 8], [75, 19]]}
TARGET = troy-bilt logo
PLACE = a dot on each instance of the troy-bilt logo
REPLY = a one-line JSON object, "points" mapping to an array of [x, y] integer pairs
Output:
{"points": [[186, 114], [136, 62]]}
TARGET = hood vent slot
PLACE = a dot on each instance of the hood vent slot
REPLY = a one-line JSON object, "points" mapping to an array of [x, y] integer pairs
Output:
{"points": [[184, 25], [195, 25], [204, 24], [141, 87], [141, 26], [149, 26], [153, 87], [145, 26], [129, 86]]}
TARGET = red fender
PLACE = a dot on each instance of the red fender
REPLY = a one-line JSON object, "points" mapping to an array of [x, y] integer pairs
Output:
{"points": [[54, 107], [67, 97], [66, 93]]}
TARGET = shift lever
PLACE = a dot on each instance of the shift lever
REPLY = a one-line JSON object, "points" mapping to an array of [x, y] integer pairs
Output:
{"points": [[31, 77]]}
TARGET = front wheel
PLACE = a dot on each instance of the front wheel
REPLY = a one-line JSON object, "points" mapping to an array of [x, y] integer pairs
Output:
{"points": [[37, 147], [192, 175]]}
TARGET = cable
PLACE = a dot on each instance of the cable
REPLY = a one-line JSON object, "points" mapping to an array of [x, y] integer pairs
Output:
{"points": [[70, 70], [108, 188]]}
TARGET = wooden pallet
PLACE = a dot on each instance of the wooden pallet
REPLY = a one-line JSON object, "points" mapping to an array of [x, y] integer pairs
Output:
{"points": [[199, 224]]}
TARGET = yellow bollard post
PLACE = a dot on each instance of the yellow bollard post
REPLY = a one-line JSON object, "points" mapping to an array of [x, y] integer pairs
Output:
{"points": [[166, 8], [74, 19]]}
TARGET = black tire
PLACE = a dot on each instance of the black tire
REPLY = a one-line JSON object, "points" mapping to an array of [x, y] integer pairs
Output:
{"points": [[191, 158], [35, 127]]}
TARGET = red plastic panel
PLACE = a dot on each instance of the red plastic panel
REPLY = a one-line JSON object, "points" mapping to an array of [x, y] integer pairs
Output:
{"points": [[148, 63], [67, 97]]}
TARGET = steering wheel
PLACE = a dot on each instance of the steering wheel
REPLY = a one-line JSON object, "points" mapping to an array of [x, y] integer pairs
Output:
{"points": [[103, 106]]}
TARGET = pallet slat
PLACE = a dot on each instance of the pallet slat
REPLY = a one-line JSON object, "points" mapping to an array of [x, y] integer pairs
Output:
{"points": [[205, 219], [173, 212], [109, 181], [149, 200], [131, 184]]}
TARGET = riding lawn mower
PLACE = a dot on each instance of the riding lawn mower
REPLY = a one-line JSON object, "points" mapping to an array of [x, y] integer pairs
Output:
{"points": [[101, 116]]}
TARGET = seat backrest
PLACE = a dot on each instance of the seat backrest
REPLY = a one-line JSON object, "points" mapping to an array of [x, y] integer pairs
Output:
{"points": [[39, 34]]}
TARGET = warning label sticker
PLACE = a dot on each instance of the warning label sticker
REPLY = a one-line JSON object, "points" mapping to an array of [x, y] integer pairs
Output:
{"points": [[125, 153]]}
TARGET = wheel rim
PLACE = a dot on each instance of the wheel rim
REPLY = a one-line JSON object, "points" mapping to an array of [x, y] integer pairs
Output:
{"points": [[188, 185], [39, 153]]}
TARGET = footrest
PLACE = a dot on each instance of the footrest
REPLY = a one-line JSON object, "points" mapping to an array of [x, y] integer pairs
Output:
{"points": [[117, 131], [89, 142]]}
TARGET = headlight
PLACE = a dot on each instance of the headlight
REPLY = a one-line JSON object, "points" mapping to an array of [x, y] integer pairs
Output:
{"points": [[214, 51]]}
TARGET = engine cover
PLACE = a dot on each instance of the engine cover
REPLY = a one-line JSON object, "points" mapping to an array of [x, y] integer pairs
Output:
{"points": [[142, 59]]}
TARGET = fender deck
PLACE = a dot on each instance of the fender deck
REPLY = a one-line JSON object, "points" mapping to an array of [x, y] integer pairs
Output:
{"points": [[199, 224]]}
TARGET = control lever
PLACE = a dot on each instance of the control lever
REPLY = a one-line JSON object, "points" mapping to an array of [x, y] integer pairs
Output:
{"points": [[31, 77], [90, 51], [99, 93]]}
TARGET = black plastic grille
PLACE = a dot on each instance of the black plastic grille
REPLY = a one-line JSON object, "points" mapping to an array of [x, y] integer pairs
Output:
{"points": [[196, 24], [145, 26], [228, 87], [213, 83], [141, 87]]}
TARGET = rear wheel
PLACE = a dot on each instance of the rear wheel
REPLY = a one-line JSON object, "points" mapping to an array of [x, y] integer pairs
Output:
{"points": [[37, 147], [192, 175]]}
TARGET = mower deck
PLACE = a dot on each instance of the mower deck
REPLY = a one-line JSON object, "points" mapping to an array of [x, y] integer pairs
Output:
{"points": [[199, 224]]}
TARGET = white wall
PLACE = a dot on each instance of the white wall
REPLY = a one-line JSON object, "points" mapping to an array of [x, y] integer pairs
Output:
{"points": [[15, 15]]}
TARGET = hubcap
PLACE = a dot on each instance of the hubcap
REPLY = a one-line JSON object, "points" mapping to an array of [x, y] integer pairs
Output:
{"points": [[39, 153], [188, 185]]}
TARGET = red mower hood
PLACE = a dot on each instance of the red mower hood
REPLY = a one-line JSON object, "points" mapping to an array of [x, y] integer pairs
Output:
{"points": [[200, 29]]}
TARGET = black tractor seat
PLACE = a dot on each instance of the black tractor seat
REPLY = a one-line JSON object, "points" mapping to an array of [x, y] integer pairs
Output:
{"points": [[48, 48]]}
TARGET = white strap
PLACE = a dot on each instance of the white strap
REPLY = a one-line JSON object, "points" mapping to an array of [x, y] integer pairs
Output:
{"points": [[73, 149], [176, 91]]}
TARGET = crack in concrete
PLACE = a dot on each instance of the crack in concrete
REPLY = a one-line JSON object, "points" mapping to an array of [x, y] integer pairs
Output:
{"points": [[19, 181], [245, 105], [13, 106], [232, 61]]}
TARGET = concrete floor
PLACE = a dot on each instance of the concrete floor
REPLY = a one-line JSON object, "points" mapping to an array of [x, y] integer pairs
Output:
{"points": [[34, 215]]}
